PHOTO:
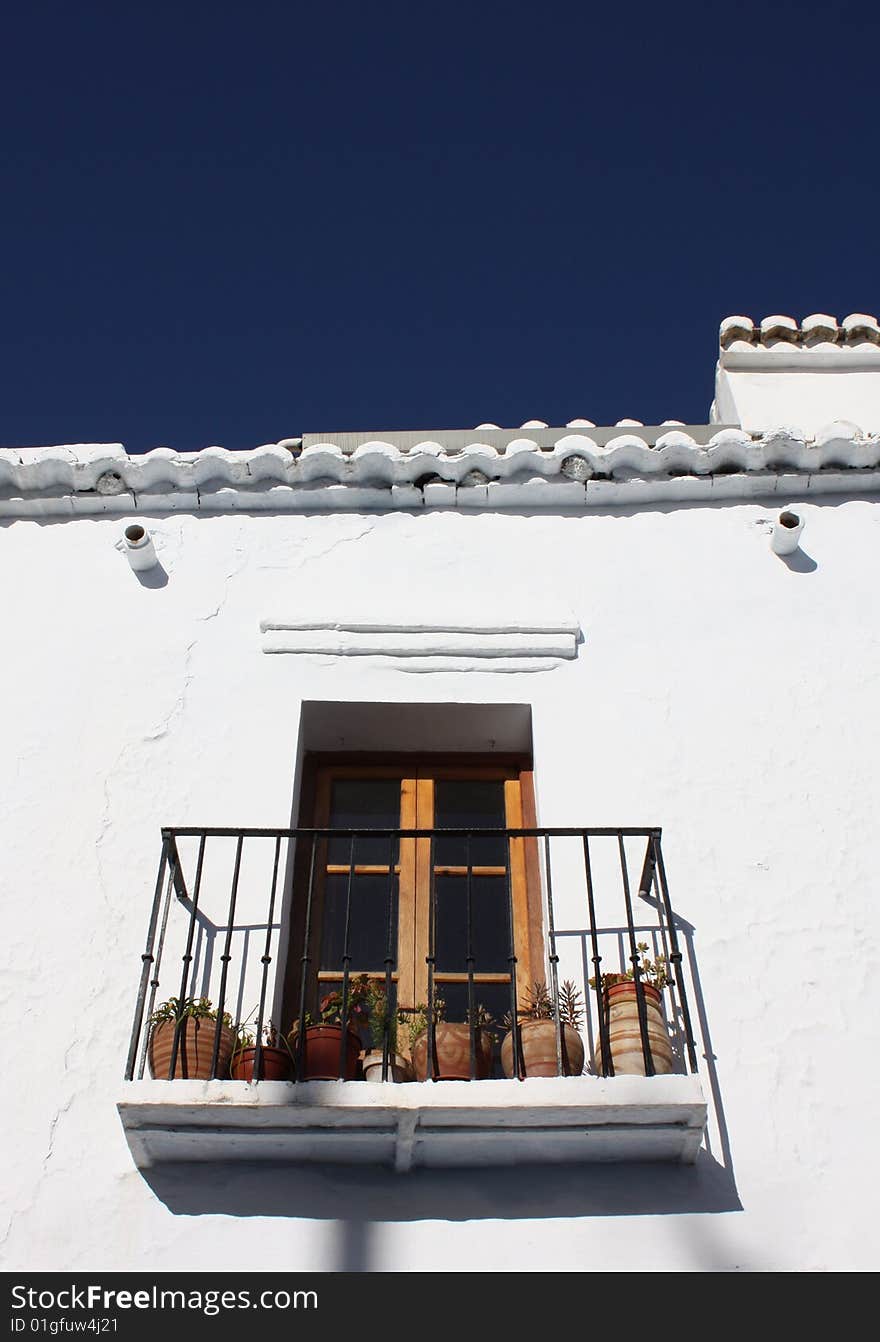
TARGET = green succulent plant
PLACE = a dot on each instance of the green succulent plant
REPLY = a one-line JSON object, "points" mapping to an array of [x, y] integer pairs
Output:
{"points": [[382, 1018], [538, 1004], [187, 1008], [653, 972]]}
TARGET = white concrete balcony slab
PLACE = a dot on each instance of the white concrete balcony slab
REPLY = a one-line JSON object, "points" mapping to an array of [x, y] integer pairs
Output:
{"points": [[430, 1124]]}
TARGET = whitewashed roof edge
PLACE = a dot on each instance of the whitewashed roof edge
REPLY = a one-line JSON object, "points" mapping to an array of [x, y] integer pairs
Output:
{"points": [[72, 479]]}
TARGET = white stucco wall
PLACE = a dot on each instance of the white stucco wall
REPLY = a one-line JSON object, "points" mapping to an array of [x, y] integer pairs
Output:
{"points": [[807, 391], [720, 691]]}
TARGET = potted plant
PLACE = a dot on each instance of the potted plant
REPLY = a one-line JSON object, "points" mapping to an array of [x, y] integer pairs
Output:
{"points": [[451, 1059], [324, 1056], [383, 1022], [193, 1023], [275, 1062], [621, 1018], [537, 1035]]}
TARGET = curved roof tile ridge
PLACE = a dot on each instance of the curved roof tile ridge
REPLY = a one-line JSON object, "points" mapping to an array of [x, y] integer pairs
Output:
{"points": [[103, 477], [817, 328]]}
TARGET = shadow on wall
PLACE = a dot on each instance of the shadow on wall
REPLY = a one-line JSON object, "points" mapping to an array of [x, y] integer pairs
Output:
{"points": [[359, 1196], [355, 1196]]}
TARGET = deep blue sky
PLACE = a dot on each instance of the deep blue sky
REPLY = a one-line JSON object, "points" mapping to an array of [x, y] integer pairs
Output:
{"points": [[228, 223]]}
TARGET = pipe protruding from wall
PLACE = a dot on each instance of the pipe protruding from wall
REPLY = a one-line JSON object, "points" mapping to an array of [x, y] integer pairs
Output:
{"points": [[786, 533], [138, 547]]}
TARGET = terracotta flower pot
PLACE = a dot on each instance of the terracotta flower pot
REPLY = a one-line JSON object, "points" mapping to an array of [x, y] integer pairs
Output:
{"points": [[624, 1034], [276, 1064], [195, 1049], [452, 1054], [399, 1069], [538, 1038], [320, 1057]]}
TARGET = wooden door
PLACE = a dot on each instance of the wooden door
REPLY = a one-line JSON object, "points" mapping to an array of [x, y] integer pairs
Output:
{"points": [[372, 896]]}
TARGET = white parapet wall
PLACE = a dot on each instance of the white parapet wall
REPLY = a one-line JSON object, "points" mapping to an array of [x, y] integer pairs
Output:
{"points": [[806, 376]]}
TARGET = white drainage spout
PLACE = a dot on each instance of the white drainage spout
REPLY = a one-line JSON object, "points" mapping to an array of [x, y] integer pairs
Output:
{"points": [[138, 548], [786, 533]]}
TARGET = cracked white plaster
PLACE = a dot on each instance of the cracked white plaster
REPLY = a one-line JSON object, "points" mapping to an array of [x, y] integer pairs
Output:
{"points": [[721, 693]]}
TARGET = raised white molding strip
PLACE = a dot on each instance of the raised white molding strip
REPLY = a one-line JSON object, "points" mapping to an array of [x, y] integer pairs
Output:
{"points": [[541, 642]]}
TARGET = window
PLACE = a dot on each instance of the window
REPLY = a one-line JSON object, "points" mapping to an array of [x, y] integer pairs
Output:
{"points": [[372, 897]]}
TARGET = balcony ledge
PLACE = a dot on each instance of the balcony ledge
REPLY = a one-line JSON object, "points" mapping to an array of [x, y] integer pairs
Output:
{"points": [[451, 1123]]}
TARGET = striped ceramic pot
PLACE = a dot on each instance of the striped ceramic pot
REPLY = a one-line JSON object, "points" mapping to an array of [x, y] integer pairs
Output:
{"points": [[624, 1033], [195, 1050]]}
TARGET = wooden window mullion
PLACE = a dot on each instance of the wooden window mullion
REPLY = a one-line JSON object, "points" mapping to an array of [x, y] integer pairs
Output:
{"points": [[424, 813], [407, 921]]}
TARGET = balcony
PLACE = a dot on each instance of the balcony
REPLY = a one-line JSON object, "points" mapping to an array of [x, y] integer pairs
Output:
{"points": [[402, 940]]}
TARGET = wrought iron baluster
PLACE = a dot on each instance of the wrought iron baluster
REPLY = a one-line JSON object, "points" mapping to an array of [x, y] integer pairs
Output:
{"points": [[226, 956], [266, 960], [554, 959], [636, 967], [146, 962], [157, 965], [469, 961], [675, 956], [604, 1040], [305, 961], [187, 954], [346, 962], [389, 963]]}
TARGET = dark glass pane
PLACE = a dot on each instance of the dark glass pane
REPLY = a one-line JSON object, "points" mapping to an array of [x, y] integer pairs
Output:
{"points": [[364, 803], [469, 804], [495, 997], [369, 932], [490, 924]]}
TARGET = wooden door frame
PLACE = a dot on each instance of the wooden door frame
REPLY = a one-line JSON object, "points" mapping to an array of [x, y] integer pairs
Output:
{"points": [[420, 770]]}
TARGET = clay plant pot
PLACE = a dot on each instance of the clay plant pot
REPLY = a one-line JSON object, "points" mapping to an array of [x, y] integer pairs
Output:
{"points": [[624, 1035], [320, 1057], [538, 1040], [276, 1064], [452, 1054], [399, 1069], [195, 1050]]}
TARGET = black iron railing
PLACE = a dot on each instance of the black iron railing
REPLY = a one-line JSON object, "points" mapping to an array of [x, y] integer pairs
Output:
{"points": [[197, 936]]}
